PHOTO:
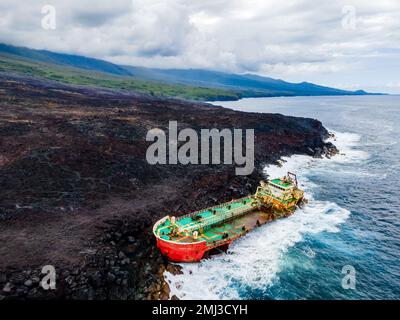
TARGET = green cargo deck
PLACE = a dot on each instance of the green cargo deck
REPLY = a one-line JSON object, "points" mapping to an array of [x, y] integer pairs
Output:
{"points": [[214, 230]]}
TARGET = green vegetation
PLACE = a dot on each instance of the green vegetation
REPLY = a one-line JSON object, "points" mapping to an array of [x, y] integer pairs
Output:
{"points": [[9, 63]]}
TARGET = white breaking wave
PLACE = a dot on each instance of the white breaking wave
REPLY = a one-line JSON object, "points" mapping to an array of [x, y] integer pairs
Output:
{"points": [[254, 260]]}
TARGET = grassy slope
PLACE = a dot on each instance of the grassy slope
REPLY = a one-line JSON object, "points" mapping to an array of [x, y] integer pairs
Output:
{"points": [[9, 63]]}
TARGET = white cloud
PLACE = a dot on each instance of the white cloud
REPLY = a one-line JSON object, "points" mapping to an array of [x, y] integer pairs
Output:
{"points": [[294, 40]]}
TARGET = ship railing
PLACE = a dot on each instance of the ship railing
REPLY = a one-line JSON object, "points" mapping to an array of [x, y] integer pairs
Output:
{"points": [[218, 206], [217, 219]]}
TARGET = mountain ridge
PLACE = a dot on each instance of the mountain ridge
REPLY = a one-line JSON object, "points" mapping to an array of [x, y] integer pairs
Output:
{"points": [[240, 85]]}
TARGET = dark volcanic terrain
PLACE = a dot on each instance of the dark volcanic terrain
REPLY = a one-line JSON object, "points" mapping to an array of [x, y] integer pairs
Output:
{"points": [[77, 192]]}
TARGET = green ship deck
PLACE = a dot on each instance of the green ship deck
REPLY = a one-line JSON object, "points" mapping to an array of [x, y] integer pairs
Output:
{"points": [[214, 225], [281, 183]]}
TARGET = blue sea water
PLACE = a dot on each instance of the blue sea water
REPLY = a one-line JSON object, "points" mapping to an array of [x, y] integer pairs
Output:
{"points": [[352, 219]]}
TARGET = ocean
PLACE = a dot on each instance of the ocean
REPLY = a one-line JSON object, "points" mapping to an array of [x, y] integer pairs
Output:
{"points": [[352, 220]]}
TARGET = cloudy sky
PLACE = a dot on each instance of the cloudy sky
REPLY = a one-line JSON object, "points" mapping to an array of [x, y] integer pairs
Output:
{"points": [[349, 44]]}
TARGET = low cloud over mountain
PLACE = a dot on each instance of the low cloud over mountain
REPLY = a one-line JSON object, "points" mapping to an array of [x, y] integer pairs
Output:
{"points": [[331, 43]]}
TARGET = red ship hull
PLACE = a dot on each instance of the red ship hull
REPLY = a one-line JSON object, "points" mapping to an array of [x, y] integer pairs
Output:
{"points": [[185, 252], [191, 252]]}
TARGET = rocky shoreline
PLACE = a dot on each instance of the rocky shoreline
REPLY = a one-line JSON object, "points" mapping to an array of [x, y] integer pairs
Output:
{"points": [[78, 193]]}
